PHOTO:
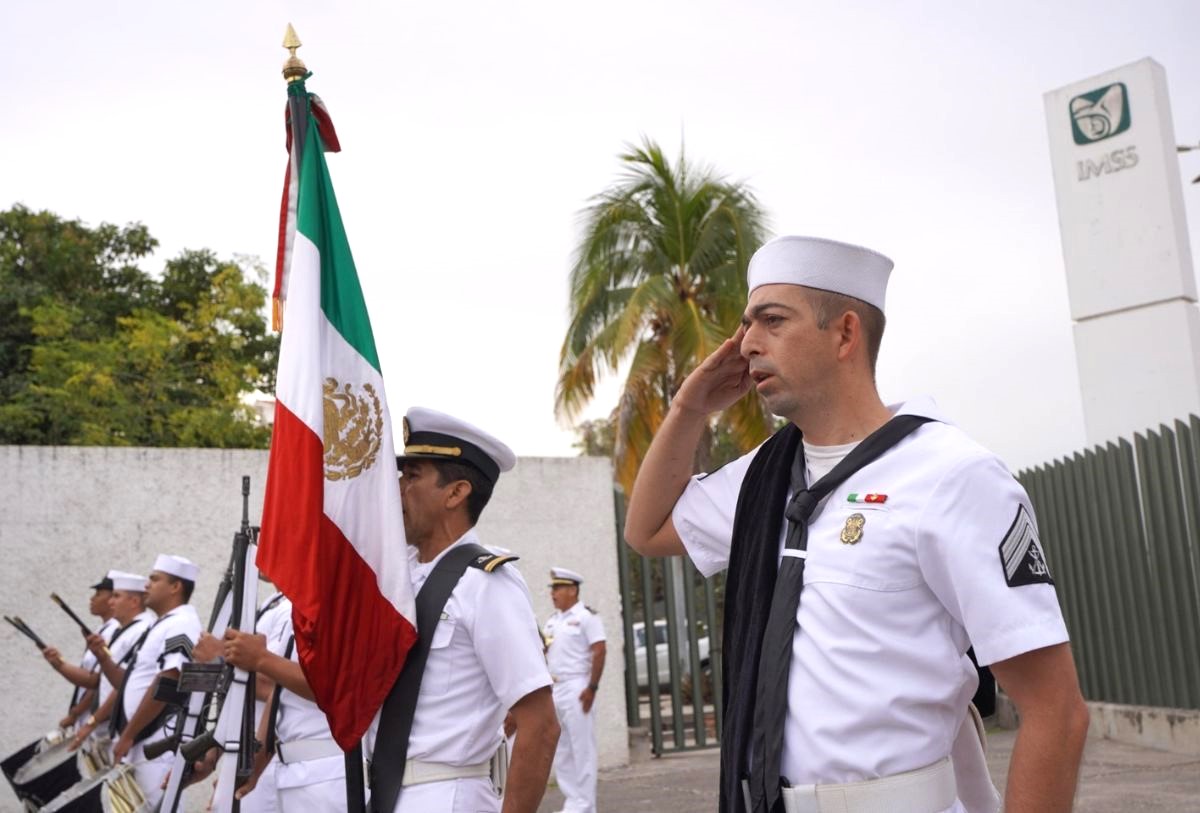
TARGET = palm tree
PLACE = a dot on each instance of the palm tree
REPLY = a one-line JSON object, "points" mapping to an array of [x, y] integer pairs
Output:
{"points": [[659, 282]]}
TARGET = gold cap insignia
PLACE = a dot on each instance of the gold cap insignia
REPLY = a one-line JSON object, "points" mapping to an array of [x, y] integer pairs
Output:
{"points": [[852, 531], [406, 430]]}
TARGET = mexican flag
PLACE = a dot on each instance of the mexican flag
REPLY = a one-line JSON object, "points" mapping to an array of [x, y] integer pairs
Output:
{"points": [[332, 531]]}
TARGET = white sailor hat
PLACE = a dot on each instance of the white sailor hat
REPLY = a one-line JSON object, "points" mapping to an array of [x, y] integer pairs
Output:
{"points": [[129, 582], [561, 576], [176, 566], [824, 264], [433, 435]]}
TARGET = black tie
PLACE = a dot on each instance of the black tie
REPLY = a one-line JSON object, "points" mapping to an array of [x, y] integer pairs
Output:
{"points": [[770, 708]]}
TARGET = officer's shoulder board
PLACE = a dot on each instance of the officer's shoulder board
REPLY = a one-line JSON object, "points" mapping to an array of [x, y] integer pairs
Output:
{"points": [[488, 562]]}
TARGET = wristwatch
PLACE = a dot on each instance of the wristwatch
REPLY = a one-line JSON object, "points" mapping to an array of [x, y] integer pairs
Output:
{"points": [[91, 720], [595, 687]]}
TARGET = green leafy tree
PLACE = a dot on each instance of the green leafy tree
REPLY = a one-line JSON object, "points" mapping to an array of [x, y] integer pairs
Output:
{"points": [[658, 283], [95, 351]]}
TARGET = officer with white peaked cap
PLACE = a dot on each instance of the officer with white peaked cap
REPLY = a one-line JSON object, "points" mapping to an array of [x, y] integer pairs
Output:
{"points": [[867, 547], [483, 654], [575, 653]]}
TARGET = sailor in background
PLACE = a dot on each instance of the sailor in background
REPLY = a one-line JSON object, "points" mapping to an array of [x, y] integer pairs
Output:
{"points": [[133, 620], [83, 677], [483, 653], [575, 651], [138, 719]]}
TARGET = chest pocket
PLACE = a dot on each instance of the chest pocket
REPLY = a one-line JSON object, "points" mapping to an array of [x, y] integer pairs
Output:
{"points": [[439, 666], [862, 545]]}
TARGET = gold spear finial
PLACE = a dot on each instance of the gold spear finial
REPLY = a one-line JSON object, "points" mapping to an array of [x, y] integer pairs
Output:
{"points": [[293, 69]]}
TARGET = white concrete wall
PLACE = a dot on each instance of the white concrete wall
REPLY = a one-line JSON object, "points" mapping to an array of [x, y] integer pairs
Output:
{"points": [[69, 514]]}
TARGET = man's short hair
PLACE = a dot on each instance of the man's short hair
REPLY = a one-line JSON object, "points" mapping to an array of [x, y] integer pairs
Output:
{"points": [[827, 306], [481, 486], [188, 587]]}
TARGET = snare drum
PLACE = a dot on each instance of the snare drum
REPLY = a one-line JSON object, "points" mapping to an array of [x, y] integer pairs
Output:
{"points": [[52, 769], [113, 791]]}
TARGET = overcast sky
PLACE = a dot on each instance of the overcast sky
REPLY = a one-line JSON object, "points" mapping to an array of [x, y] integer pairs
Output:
{"points": [[474, 133]]}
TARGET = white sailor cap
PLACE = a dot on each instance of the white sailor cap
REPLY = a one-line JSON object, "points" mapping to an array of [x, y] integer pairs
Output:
{"points": [[433, 435], [561, 576], [129, 582], [824, 264], [176, 566]]}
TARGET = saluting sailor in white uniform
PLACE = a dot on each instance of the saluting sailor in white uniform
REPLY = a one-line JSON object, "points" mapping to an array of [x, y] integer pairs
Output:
{"points": [[485, 656], [575, 652], [161, 651], [924, 550]]}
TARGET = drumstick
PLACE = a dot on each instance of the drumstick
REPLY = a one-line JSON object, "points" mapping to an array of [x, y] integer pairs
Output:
{"points": [[24, 629], [82, 626]]}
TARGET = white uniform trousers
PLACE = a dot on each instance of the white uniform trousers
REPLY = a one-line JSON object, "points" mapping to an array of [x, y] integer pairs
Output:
{"points": [[260, 800], [575, 758], [150, 774], [312, 786], [471, 795]]}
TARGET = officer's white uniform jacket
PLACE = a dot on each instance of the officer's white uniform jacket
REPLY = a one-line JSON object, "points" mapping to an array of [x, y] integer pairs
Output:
{"points": [[879, 683], [484, 656], [168, 645], [570, 634], [125, 641]]}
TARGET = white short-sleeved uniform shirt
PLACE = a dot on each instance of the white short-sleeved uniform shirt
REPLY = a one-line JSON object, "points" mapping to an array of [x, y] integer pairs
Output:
{"points": [[88, 662], [167, 646], [298, 718], [879, 683], [570, 634], [484, 656], [125, 640]]}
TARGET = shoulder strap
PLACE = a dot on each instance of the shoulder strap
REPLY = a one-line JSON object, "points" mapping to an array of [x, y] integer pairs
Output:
{"points": [[396, 718], [274, 714]]}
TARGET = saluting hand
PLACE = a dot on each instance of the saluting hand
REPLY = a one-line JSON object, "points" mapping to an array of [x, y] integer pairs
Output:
{"points": [[245, 650], [719, 381]]}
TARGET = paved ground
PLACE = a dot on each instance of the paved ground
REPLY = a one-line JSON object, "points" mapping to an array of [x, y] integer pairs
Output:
{"points": [[1116, 778]]}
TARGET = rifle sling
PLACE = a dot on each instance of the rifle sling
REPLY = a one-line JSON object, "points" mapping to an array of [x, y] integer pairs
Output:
{"points": [[396, 718]]}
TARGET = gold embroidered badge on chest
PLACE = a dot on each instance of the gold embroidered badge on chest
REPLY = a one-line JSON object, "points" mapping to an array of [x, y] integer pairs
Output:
{"points": [[852, 531]]}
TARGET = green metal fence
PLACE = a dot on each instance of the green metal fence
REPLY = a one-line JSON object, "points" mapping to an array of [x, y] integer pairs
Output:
{"points": [[671, 617], [1120, 525]]}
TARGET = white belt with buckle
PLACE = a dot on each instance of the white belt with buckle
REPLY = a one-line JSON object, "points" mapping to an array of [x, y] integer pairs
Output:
{"points": [[925, 790], [304, 750], [419, 773]]}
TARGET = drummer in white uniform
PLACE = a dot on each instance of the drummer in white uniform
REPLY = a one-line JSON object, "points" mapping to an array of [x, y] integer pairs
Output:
{"points": [[575, 652], [133, 619], [485, 656], [84, 676], [138, 718], [920, 546]]}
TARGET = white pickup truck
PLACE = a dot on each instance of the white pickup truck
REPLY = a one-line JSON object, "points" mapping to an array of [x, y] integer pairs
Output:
{"points": [[662, 658]]}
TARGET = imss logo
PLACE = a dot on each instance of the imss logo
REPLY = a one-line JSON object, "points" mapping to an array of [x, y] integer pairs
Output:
{"points": [[1100, 114]]}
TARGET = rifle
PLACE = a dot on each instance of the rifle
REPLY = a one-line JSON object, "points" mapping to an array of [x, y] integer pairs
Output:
{"points": [[82, 626], [220, 687], [24, 629]]}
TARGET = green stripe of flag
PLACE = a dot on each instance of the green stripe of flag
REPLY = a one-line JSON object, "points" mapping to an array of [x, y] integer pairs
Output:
{"points": [[319, 220]]}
